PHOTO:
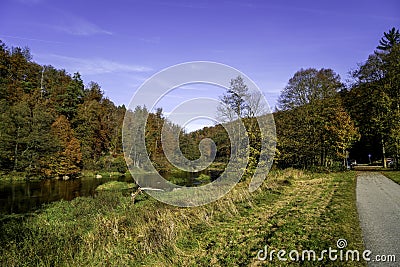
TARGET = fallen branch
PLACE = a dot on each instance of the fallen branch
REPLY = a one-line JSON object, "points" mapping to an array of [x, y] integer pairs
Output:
{"points": [[134, 194]]}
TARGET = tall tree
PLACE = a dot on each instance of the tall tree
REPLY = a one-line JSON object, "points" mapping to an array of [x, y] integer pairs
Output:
{"points": [[32, 97], [69, 156], [72, 96], [313, 127], [4, 71], [88, 129], [374, 99], [309, 86], [391, 66], [234, 100], [389, 39]]}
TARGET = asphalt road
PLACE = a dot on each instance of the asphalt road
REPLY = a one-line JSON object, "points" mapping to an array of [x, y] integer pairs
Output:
{"points": [[378, 204]]}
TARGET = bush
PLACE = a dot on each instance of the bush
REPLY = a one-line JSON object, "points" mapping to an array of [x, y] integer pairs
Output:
{"points": [[118, 165]]}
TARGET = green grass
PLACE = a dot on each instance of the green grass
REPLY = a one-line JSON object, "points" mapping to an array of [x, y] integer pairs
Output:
{"points": [[104, 174], [394, 175], [312, 213], [290, 210], [17, 176], [204, 178], [115, 185]]}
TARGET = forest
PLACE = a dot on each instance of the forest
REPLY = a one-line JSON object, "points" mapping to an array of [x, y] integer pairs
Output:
{"points": [[52, 125]]}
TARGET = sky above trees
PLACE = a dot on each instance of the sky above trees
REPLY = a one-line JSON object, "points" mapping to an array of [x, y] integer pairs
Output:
{"points": [[120, 44]]}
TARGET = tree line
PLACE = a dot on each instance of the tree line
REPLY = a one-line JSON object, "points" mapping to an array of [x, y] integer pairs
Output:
{"points": [[373, 101], [320, 120], [53, 125], [323, 122]]}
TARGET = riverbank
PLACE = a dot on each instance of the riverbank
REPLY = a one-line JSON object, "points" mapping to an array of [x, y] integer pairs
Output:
{"points": [[175, 175], [292, 210], [22, 196], [24, 176]]}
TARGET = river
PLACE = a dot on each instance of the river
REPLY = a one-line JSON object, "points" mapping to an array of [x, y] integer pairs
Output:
{"points": [[27, 196]]}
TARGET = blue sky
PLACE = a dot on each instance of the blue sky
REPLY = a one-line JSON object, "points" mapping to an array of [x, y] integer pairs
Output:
{"points": [[120, 44]]}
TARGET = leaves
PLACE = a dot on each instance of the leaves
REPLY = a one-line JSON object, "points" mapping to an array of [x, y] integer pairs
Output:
{"points": [[389, 40], [313, 128], [67, 159], [48, 118], [308, 86], [374, 103]]}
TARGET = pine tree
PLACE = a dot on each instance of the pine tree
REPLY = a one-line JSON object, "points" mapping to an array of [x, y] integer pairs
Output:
{"points": [[389, 39]]}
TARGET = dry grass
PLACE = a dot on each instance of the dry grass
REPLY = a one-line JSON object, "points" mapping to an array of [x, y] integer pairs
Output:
{"points": [[290, 210]]}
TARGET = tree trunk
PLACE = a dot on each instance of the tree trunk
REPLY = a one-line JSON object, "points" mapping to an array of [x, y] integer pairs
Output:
{"points": [[16, 151], [383, 154], [397, 153]]}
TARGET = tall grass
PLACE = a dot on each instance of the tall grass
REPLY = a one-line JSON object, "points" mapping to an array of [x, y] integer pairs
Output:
{"points": [[109, 230]]}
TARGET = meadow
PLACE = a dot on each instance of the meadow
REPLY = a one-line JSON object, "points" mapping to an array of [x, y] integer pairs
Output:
{"points": [[292, 210]]}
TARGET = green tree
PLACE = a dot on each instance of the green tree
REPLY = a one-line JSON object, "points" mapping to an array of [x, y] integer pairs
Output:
{"points": [[391, 65], [374, 99], [389, 39], [309, 86], [26, 140], [9, 135], [40, 142], [4, 71], [93, 92], [89, 132], [312, 127], [18, 125], [71, 98], [32, 97], [98, 125]]}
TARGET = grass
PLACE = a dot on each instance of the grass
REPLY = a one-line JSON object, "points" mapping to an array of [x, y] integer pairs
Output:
{"points": [[115, 186], [104, 174], [313, 212], [291, 210], [204, 178], [394, 175], [17, 176]]}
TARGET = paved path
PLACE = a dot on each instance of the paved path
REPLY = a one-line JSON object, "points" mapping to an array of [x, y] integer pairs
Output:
{"points": [[378, 204]]}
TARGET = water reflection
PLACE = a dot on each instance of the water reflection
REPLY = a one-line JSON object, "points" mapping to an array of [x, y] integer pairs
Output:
{"points": [[26, 196], [22, 197]]}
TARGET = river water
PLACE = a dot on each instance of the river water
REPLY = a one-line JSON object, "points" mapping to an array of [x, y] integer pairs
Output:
{"points": [[27, 196]]}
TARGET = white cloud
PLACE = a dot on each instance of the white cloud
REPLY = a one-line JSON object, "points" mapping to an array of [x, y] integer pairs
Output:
{"points": [[79, 26], [90, 66]]}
